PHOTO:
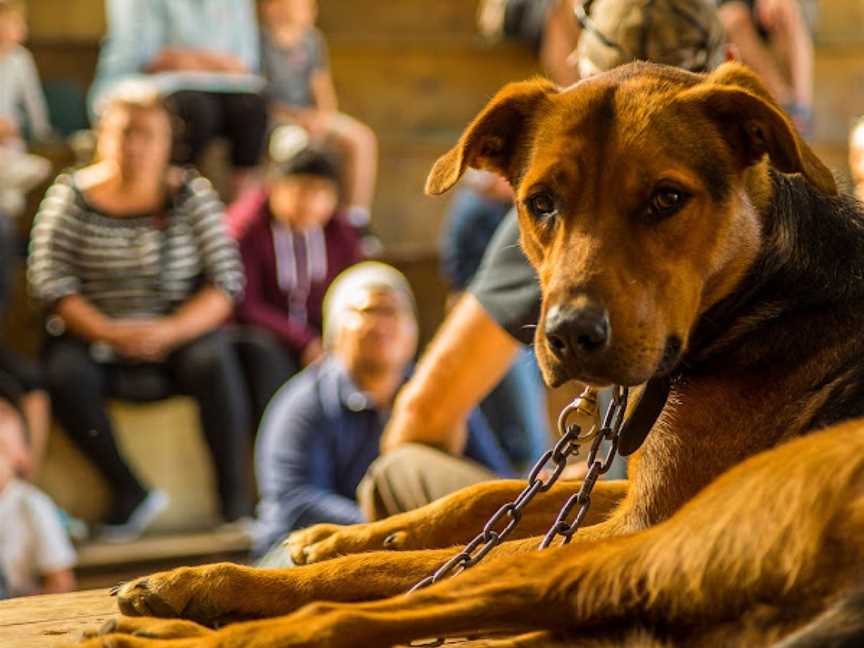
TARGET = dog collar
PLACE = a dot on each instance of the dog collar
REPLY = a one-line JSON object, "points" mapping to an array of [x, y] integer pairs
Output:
{"points": [[645, 413]]}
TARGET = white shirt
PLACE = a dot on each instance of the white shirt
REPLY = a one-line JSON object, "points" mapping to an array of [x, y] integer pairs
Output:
{"points": [[32, 539], [21, 92]]}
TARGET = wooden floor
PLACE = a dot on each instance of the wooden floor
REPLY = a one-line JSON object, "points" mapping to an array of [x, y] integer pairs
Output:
{"points": [[49, 621], [58, 620]]}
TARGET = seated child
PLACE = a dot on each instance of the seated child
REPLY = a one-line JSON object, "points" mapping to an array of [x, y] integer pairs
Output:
{"points": [[292, 243], [36, 556], [294, 58], [20, 93]]}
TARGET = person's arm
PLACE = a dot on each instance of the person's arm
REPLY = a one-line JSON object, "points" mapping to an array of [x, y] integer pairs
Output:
{"points": [[248, 50], [560, 37], [204, 311], [467, 357], [323, 90], [220, 256], [294, 461], [34, 100]]}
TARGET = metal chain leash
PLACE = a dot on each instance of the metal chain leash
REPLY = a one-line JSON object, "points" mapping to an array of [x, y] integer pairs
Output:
{"points": [[610, 430], [568, 445]]}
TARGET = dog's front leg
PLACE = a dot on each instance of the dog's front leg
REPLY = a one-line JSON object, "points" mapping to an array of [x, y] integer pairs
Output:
{"points": [[508, 593], [226, 592], [451, 520]]}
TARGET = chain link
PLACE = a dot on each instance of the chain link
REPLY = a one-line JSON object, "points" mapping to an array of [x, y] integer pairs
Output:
{"points": [[504, 520], [610, 430]]}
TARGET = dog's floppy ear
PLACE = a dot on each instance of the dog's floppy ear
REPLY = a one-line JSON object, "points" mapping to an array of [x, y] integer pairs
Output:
{"points": [[754, 125], [491, 140]]}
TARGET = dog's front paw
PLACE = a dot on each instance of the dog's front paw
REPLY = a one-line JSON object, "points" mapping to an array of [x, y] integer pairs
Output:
{"points": [[150, 628], [193, 593], [326, 541]]}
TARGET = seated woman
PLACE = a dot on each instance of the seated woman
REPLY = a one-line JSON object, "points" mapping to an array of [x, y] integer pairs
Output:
{"points": [[133, 261], [321, 433]]}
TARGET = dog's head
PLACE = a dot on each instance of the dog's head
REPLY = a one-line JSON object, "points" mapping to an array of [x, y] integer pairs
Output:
{"points": [[638, 194]]}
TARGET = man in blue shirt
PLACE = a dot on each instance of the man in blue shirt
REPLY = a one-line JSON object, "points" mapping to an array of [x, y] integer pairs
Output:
{"points": [[321, 433]]}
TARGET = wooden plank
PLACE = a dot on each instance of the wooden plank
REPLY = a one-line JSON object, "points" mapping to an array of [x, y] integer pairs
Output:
{"points": [[164, 547], [55, 620], [68, 19], [415, 19], [424, 90]]}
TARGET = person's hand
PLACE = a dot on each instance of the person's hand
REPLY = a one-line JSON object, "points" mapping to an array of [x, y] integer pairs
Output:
{"points": [[404, 428], [8, 130], [170, 59], [146, 340], [311, 352]]}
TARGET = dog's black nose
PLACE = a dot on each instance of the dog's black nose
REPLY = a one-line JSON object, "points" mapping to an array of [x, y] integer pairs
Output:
{"points": [[576, 330]]}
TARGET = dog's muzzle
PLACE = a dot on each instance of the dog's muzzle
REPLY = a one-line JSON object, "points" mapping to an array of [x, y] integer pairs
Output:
{"points": [[576, 331]]}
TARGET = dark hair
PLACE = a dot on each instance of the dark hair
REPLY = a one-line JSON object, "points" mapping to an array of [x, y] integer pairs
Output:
{"points": [[310, 162]]}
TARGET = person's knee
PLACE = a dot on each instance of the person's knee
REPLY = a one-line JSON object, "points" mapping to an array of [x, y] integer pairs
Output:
{"points": [[406, 460], [69, 367], [208, 357]]}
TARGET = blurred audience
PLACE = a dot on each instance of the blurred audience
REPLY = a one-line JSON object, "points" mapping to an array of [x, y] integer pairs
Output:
{"points": [[36, 556], [133, 261], [300, 88], [516, 407], [321, 433], [772, 37], [205, 57], [549, 26], [20, 96], [292, 244], [21, 384], [856, 157]]}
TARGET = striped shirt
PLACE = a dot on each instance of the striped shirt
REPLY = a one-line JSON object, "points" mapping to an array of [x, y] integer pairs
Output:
{"points": [[137, 266]]}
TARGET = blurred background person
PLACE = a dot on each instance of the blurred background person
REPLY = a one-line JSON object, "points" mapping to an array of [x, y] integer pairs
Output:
{"points": [[36, 556], [772, 37], [856, 157], [20, 96], [205, 57], [300, 89], [549, 26], [132, 260], [321, 433], [293, 243]]}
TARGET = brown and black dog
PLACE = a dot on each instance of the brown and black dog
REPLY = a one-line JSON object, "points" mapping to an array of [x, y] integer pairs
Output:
{"points": [[684, 218]]}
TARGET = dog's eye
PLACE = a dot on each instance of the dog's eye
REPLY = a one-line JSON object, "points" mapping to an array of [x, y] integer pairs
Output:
{"points": [[541, 205], [667, 200]]}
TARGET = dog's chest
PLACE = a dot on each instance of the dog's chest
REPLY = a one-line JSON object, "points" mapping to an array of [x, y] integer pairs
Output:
{"points": [[708, 425]]}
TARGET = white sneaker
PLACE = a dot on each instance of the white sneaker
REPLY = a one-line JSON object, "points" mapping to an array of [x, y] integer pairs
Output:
{"points": [[141, 518]]}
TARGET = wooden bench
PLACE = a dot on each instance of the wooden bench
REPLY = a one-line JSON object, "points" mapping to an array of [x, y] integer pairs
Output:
{"points": [[164, 445]]}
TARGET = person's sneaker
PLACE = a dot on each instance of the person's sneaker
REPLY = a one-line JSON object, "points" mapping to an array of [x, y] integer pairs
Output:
{"points": [[142, 516]]}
